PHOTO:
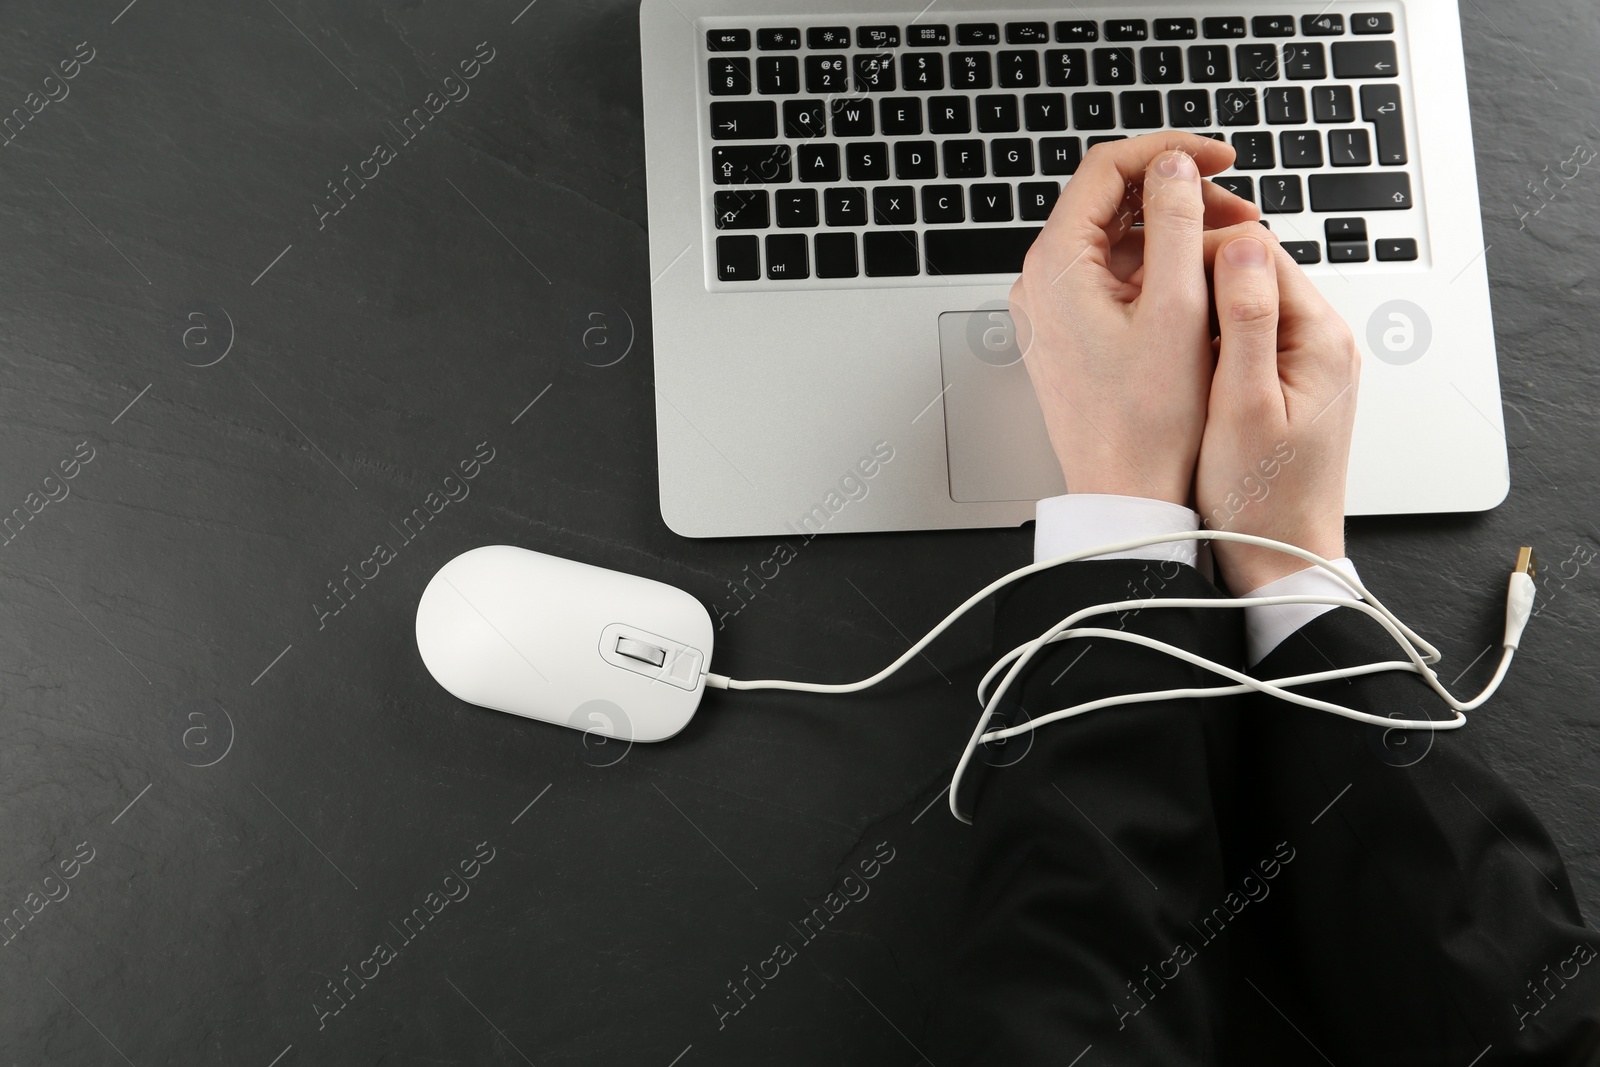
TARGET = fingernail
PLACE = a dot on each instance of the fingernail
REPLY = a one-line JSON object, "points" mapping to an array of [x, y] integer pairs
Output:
{"points": [[1246, 252], [1176, 165]]}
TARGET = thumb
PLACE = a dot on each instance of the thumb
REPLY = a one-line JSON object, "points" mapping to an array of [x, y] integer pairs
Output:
{"points": [[1246, 283]]}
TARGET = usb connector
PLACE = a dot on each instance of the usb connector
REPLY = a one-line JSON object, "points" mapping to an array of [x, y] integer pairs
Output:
{"points": [[1520, 596]]}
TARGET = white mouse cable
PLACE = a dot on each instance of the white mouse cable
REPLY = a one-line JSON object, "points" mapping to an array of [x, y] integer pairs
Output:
{"points": [[1520, 598]]}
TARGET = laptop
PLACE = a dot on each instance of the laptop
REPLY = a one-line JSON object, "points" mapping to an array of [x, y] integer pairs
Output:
{"points": [[841, 196]]}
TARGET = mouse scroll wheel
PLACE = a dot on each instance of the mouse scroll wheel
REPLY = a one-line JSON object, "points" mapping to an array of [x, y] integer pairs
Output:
{"points": [[641, 651]]}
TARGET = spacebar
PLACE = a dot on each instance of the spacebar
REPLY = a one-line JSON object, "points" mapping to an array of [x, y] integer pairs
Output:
{"points": [[978, 250]]}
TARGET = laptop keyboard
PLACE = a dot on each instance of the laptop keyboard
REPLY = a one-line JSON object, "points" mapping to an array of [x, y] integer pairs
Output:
{"points": [[925, 152]]}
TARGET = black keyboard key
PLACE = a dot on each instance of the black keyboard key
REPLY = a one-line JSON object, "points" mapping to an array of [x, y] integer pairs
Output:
{"points": [[747, 209], [978, 249], [1107, 140], [1258, 62], [970, 70], [1396, 249], [786, 256], [891, 254], [1380, 105], [866, 161], [1237, 184], [949, 114], [821, 37], [844, 207], [1077, 32], [978, 33], [744, 120], [739, 258], [1176, 30], [1059, 155], [729, 77], [997, 114], [1365, 59], [805, 118], [1305, 62], [915, 160], [901, 116], [1238, 107], [777, 75], [1372, 22], [818, 162], [728, 40], [1093, 111], [750, 164], [1281, 194], [943, 203], [963, 159], [1361, 191], [1301, 148], [1066, 66], [1127, 29], [877, 36], [1333, 103], [852, 118], [1044, 112], [1322, 25], [1253, 151], [874, 73], [894, 205], [920, 36], [1189, 109], [1272, 25], [1303, 252], [1222, 28], [1348, 252], [991, 203], [1349, 148], [1114, 66], [1027, 33], [1285, 107], [1141, 110], [1035, 200], [836, 255], [1345, 229], [826, 74], [922, 70], [1011, 157], [1161, 66], [1017, 70], [780, 39], [1209, 63], [795, 207]]}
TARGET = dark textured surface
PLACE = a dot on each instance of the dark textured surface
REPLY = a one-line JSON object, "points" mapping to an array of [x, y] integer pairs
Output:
{"points": [[139, 613]]}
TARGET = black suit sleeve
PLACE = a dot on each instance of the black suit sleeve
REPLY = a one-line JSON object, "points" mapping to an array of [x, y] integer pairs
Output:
{"points": [[1426, 916], [1094, 849]]}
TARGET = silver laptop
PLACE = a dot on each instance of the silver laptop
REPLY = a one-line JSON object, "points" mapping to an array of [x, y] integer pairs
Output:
{"points": [[841, 196]]}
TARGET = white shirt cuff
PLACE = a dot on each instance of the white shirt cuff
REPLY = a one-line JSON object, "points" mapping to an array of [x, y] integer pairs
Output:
{"points": [[1266, 627], [1079, 521]]}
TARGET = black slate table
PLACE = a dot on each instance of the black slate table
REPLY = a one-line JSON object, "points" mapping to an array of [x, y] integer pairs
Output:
{"points": [[252, 321]]}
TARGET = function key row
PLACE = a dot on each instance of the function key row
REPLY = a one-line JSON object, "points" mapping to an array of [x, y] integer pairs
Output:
{"points": [[873, 72], [781, 39]]}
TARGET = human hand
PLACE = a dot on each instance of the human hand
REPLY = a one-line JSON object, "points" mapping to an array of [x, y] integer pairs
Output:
{"points": [[1282, 407], [1113, 321]]}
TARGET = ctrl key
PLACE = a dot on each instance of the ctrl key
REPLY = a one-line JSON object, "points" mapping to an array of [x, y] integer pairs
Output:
{"points": [[786, 256], [739, 258]]}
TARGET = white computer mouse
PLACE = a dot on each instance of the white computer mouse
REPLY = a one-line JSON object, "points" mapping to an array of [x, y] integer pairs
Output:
{"points": [[566, 643]]}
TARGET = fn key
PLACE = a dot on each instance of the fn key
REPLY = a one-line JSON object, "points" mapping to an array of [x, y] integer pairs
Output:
{"points": [[738, 258]]}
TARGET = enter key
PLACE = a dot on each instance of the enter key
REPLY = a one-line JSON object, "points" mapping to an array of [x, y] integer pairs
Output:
{"points": [[1380, 105]]}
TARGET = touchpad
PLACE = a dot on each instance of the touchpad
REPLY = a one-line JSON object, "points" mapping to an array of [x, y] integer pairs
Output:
{"points": [[994, 432]]}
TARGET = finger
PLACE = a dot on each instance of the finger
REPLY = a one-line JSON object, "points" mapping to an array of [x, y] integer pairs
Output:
{"points": [[1225, 207], [1093, 212], [1174, 236], [1246, 274]]}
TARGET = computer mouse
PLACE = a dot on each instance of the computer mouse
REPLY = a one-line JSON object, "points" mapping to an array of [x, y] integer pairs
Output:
{"points": [[565, 642]]}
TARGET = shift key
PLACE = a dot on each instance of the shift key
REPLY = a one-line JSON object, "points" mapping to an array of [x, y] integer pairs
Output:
{"points": [[1356, 193]]}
